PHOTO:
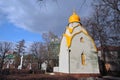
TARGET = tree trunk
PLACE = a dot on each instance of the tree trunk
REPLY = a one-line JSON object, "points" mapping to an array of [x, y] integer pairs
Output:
{"points": [[2, 61]]}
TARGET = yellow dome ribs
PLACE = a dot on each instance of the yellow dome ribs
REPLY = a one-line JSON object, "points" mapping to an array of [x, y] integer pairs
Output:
{"points": [[68, 39], [70, 29]]}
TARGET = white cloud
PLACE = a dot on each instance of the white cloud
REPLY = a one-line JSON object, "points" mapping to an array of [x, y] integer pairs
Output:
{"points": [[48, 15]]}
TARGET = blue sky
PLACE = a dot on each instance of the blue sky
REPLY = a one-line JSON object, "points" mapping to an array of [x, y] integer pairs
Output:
{"points": [[28, 19], [9, 32]]}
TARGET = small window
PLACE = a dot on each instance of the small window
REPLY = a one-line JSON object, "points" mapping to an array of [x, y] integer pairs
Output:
{"points": [[81, 39]]}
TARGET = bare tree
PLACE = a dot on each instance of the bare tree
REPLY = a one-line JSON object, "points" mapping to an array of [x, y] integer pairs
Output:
{"points": [[20, 47], [104, 23], [52, 42], [96, 26], [110, 12], [4, 48], [43, 3], [114, 4], [113, 8], [38, 49]]}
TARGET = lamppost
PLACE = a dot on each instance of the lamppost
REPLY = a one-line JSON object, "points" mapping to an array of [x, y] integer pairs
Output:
{"points": [[69, 50]]}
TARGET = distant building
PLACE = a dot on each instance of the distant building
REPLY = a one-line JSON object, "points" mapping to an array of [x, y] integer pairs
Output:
{"points": [[9, 60], [111, 56]]}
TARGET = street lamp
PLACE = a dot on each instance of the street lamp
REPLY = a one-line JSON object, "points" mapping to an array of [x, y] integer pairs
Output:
{"points": [[69, 50]]}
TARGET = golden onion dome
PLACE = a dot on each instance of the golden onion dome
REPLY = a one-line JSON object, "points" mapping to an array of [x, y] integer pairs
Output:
{"points": [[74, 18]]}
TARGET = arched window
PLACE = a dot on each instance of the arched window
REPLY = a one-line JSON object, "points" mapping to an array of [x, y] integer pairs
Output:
{"points": [[83, 58], [81, 39]]}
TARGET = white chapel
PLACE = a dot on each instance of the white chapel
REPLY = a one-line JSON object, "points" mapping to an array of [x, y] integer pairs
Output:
{"points": [[78, 53]]}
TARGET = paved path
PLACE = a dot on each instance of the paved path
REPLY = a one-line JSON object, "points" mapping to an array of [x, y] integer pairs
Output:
{"points": [[111, 78]]}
